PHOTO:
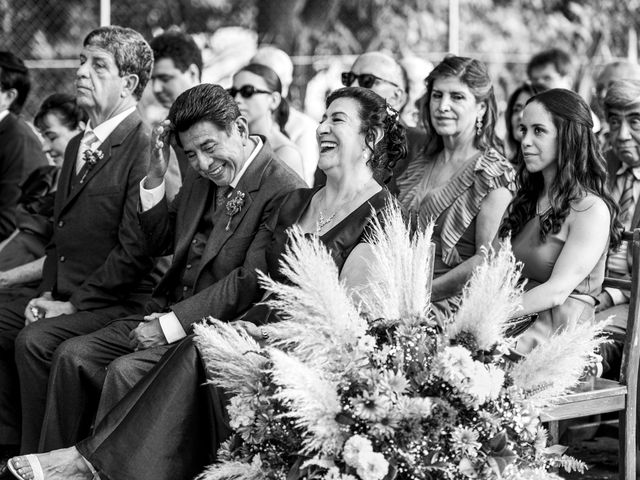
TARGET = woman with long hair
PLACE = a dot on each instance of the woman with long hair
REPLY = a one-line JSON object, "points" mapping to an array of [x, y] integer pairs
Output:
{"points": [[460, 179], [258, 92], [562, 219], [169, 426]]}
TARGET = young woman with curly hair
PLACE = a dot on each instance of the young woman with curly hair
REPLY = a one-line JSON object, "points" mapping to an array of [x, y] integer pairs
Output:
{"points": [[562, 218]]}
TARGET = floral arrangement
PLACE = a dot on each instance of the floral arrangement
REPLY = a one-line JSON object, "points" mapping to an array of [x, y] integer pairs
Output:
{"points": [[233, 206], [376, 388], [91, 159]]}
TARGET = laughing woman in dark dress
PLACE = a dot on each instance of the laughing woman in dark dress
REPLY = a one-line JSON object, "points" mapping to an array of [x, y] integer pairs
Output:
{"points": [[170, 425]]}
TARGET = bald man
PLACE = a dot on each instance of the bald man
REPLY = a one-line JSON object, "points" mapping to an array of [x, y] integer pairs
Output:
{"points": [[384, 75]]}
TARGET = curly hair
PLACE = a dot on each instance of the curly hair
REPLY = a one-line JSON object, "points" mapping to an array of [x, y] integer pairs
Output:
{"points": [[376, 113], [581, 169], [474, 75]]}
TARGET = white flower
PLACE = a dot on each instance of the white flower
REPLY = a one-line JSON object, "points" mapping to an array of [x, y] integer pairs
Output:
{"points": [[240, 415], [366, 343], [373, 407], [334, 474], [455, 365], [372, 466], [353, 447], [465, 441], [393, 382]]}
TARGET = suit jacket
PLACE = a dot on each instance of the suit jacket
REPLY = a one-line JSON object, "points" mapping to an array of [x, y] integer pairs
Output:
{"points": [[226, 281], [20, 154], [96, 257], [613, 165]]}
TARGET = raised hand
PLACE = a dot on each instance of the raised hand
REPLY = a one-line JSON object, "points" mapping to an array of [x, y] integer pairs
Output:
{"points": [[160, 148]]}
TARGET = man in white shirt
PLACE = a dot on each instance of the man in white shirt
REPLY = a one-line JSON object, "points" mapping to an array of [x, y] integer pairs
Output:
{"points": [[215, 230], [95, 263], [622, 112]]}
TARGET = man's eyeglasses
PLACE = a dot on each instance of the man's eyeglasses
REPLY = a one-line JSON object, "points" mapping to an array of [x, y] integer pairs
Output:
{"points": [[365, 80], [246, 91]]}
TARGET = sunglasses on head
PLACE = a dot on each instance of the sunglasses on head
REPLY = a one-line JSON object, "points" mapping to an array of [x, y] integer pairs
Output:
{"points": [[365, 80], [246, 91]]}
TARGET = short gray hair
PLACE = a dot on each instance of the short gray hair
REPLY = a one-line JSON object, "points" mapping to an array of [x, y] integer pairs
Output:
{"points": [[622, 94], [130, 50]]}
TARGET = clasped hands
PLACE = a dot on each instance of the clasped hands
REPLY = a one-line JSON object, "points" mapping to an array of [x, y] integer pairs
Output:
{"points": [[148, 333], [46, 307]]}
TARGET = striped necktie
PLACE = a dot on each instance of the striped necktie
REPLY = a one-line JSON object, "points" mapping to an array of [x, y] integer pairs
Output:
{"points": [[626, 199], [88, 139]]}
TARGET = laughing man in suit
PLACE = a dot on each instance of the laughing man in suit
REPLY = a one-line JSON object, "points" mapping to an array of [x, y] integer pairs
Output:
{"points": [[95, 264], [215, 230]]}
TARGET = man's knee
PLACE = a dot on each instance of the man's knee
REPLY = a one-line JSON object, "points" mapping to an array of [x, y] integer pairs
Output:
{"points": [[125, 371], [31, 342], [73, 353]]}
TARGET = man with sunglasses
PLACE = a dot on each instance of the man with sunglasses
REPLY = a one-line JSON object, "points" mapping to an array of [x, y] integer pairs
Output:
{"points": [[385, 76]]}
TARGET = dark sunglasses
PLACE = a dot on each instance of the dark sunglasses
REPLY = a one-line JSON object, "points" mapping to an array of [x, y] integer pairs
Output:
{"points": [[365, 80], [246, 91]]}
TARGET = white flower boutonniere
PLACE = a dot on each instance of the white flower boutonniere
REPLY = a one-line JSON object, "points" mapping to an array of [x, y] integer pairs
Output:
{"points": [[233, 206], [91, 158]]}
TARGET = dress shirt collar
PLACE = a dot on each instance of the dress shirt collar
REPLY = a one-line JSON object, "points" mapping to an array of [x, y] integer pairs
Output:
{"points": [[107, 127], [3, 114], [258, 141]]}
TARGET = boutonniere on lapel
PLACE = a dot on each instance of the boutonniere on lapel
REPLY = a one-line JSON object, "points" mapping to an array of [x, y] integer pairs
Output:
{"points": [[233, 206], [91, 158]]}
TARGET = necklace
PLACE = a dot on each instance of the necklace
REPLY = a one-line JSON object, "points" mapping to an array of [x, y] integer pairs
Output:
{"points": [[323, 222]]}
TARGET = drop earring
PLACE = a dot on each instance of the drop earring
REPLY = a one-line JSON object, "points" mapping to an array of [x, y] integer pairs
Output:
{"points": [[479, 126]]}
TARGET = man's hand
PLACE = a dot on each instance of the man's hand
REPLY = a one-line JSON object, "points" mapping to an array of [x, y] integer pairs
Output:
{"points": [[160, 152], [46, 307], [252, 329], [148, 333]]}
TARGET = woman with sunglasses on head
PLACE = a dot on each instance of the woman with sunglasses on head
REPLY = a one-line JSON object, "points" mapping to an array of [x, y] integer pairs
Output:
{"points": [[460, 179], [258, 92], [562, 217], [170, 425], [22, 256]]}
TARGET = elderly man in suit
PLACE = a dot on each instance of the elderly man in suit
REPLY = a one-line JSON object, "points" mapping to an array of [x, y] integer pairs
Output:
{"points": [[622, 111], [215, 230], [20, 150], [95, 264]]}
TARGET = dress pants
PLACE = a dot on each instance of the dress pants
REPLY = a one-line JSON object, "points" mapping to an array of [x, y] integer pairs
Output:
{"points": [[89, 373], [35, 348], [168, 427]]}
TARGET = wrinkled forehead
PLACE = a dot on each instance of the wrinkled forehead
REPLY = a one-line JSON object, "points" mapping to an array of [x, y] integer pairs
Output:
{"points": [[627, 110], [95, 51]]}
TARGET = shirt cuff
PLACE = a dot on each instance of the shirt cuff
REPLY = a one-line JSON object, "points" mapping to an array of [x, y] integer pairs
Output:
{"points": [[171, 327], [150, 198], [617, 296]]}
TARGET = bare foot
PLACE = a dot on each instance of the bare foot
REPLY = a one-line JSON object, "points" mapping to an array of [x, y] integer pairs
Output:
{"points": [[65, 464]]}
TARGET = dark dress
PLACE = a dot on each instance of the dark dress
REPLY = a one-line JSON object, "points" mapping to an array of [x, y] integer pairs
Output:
{"points": [[170, 425]]}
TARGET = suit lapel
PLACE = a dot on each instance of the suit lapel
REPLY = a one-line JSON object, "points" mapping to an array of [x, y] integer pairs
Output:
{"points": [[67, 173], [113, 141], [248, 184], [190, 213]]}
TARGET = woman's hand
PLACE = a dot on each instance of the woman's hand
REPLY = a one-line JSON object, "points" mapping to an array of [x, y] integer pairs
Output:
{"points": [[160, 153]]}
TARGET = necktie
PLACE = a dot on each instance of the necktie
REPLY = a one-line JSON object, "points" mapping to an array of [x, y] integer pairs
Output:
{"points": [[626, 199], [88, 139]]}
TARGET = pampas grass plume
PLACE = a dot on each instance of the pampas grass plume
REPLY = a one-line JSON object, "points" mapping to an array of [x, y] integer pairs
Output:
{"points": [[402, 271], [314, 401], [232, 357], [233, 471], [489, 299], [556, 365]]}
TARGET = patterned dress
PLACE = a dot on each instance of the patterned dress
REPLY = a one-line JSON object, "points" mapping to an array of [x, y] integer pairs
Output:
{"points": [[454, 206]]}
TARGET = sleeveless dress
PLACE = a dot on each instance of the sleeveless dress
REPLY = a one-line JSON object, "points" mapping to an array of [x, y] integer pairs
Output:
{"points": [[454, 206], [538, 259], [170, 425]]}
